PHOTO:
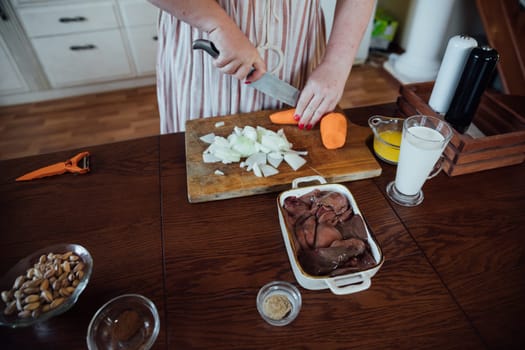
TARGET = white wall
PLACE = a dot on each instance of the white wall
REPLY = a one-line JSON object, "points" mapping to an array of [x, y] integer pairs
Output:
{"points": [[328, 7], [464, 20]]}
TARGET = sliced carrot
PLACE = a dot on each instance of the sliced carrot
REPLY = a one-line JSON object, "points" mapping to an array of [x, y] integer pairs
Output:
{"points": [[333, 130], [284, 117]]}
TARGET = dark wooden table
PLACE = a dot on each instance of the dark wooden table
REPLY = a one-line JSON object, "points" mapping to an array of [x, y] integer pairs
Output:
{"points": [[454, 275]]}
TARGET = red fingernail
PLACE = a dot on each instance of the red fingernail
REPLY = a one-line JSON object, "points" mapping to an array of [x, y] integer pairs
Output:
{"points": [[309, 127], [301, 126], [247, 82], [297, 117]]}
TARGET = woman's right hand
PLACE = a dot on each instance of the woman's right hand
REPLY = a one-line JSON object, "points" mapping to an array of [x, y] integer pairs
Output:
{"points": [[237, 54]]}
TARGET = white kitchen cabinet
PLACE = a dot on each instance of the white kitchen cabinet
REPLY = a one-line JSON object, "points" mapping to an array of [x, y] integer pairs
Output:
{"points": [[138, 12], [11, 80], [140, 21], [66, 19], [87, 46], [143, 43], [83, 58]]}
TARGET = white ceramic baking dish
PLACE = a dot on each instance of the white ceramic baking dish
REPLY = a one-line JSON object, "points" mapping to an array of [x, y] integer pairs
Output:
{"points": [[340, 285]]}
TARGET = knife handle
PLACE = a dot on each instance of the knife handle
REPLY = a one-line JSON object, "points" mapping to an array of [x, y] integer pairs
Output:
{"points": [[210, 48], [207, 46]]}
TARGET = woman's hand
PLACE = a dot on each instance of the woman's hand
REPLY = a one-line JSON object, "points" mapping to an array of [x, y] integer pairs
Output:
{"points": [[237, 55], [325, 86], [322, 92]]}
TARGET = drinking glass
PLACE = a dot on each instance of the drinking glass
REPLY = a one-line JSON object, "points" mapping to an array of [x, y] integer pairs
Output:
{"points": [[423, 140]]}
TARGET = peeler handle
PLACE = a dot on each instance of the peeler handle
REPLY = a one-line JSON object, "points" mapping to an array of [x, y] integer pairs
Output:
{"points": [[50, 170]]}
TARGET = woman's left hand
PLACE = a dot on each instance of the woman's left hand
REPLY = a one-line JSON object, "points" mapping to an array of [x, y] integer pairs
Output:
{"points": [[322, 92]]}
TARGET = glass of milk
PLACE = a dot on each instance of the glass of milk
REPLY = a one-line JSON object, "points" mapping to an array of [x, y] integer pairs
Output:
{"points": [[423, 140]]}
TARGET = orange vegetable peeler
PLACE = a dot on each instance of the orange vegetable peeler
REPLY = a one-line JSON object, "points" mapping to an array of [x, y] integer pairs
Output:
{"points": [[79, 164]]}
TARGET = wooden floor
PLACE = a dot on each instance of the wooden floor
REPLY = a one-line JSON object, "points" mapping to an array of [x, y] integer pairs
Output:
{"points": [[77, 122]]}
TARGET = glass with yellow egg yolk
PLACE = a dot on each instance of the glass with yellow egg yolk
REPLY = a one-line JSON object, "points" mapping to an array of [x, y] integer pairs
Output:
{"points": [[387, 145], [387, 137]]}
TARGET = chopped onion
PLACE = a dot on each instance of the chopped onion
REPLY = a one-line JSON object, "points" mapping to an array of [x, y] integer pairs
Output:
{"points": [[219, 124], [256, 170], [225, 154], [237, 130], [275, 159], [275, 143], [255, 158], [218, 172], [299, 153], [208, 138], [258, 145], [250, 132], [242, 144], [294, 161], [209, 158], [221, 141], [268, 170]]}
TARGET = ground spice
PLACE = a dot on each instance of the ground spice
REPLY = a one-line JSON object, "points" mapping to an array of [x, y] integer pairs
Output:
{"points": [[277, 306], [127, 325]]}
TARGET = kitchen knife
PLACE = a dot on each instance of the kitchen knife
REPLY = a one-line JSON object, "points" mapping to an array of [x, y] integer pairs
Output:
{"points": [[267, 84]]}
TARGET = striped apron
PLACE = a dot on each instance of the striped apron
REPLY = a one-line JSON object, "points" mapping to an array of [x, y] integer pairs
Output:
{"points": [[290, 36]]}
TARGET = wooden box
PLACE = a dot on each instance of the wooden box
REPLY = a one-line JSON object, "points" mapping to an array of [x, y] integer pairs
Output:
{"points": [[496, 140]]}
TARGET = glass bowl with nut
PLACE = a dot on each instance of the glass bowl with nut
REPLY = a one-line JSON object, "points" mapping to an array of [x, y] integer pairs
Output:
{"points": [[44, 284]]}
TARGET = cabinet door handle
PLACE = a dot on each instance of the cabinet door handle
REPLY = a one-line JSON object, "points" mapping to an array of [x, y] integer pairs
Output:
{"points": [[72, 19], [82, 47], [155, 38], [3, 14]]}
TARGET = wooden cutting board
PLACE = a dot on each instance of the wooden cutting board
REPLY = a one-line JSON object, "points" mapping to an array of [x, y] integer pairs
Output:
{"points": [[352, 162]]}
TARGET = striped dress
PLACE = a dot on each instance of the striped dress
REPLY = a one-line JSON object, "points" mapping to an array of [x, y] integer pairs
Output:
{"points": [[290, 36]]}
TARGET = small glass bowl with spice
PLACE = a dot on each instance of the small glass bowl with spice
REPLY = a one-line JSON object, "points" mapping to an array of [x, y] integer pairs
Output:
{"points": [[279, 303], [129, 321]]}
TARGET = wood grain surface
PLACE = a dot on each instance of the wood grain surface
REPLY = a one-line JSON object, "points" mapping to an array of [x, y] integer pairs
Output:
{"points": [[61, 124], [353, 161], [470, 228], [452, 277], [113, 212], [218, 258]]}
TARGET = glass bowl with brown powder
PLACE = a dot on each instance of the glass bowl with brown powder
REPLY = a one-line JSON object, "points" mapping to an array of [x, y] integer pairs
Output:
{"points": [[129, 321], [279, 303]]}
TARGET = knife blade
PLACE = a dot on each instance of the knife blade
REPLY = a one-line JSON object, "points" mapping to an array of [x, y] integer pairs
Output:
{"points": [[268, 84]]}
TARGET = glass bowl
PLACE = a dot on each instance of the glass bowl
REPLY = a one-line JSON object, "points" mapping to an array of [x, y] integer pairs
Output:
{"points": [[68, 297], [278, 289], [129, 321], [387, 137]]}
